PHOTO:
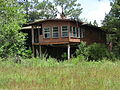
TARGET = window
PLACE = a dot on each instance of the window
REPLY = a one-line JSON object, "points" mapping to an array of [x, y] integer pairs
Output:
{"points": [[64, 31], [74, 32], [71, 31], [46, 32], [55, 33], [82, 33], [78, 32]]}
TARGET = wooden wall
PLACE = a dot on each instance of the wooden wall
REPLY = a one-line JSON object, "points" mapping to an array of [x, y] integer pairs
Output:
{"points": [[91, 34]]}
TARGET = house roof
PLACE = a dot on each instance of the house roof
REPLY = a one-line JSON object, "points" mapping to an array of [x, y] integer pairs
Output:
{"points": [[41, 21], [93, 26]]}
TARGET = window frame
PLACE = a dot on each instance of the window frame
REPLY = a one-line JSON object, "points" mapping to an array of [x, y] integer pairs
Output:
{"points": [[78, 32], [46, 32], [64, 31], [82, 33], [71, 31], [55, 32], [75, 34]]}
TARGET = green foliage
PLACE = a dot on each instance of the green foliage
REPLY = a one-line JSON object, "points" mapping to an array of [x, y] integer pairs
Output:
{"points": [[64, 76], [94, 51], [11, 19], [82, 50], [77, 60], [97, 51], [64, 56], [111, 23], [47, 9], [69, 7], [40, 62]]}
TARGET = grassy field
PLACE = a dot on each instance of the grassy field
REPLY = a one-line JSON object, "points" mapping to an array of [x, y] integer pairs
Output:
{"points": [[51, 75]]}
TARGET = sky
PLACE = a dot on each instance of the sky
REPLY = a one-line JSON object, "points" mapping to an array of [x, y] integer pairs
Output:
{"points": [[94, 9]]}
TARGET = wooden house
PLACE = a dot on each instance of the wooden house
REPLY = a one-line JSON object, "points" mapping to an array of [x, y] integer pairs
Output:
{"points": [[56, 36]]}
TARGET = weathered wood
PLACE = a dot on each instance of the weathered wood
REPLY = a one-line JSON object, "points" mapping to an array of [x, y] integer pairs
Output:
{"points": [[40, 51], [32, 34], [33, 49], [68, 51], [36, 49]]}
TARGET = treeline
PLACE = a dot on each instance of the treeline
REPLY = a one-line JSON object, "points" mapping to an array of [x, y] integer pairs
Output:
{"points": [[49, 9], [111, 24]]}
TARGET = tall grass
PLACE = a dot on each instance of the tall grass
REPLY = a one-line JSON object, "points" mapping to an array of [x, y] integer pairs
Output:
{"points": [[42, 74]]}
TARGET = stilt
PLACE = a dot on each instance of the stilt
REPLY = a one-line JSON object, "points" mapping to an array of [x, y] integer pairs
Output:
{"points": [[37, 52], [32, 35], [40, 51], [68, 51], [33, 49]]}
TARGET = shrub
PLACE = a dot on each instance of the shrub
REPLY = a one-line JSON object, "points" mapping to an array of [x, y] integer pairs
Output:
{"points": [[97, 51], [77, 59], [82, 50], [94, 51], [64, 56]]}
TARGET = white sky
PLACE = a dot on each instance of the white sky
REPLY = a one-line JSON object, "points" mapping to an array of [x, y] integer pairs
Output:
{"points": [[94, 9]]}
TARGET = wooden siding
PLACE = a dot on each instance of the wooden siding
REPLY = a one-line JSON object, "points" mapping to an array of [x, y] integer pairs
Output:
{"points": [[91, 34]]}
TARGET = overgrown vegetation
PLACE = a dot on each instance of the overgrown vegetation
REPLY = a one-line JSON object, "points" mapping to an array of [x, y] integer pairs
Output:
{"points": [[111, 23], [94, 51], [12, 41], [38, 74]]}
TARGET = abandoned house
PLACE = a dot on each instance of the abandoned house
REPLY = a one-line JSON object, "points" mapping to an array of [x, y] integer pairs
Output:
{"points": [[58, 36]]}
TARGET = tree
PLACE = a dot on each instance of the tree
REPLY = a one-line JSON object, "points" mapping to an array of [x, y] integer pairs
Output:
{"points": [[69, 7], [36, 9], [46, 10], [95, 23], [112, 24], [28, 8], [11, 20]]}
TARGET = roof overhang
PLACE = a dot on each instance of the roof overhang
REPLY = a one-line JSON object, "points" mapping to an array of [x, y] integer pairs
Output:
{"points": [[93, 27], [26, 27], [41, 21]]}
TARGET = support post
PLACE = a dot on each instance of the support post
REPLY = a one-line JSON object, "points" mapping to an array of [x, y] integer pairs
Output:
{"points": [[32, 34], [68, 51], [37, 52], [40, 51], [33, 49]]}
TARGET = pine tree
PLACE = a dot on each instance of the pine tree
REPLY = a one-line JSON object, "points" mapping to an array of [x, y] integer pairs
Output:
{"points": [[69, 7], [112, 24]]}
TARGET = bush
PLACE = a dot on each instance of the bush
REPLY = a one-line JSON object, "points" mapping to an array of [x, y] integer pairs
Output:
{"points": [[64, 56], [77, 59], [82, 50], [94, 51], [97, 51]]}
